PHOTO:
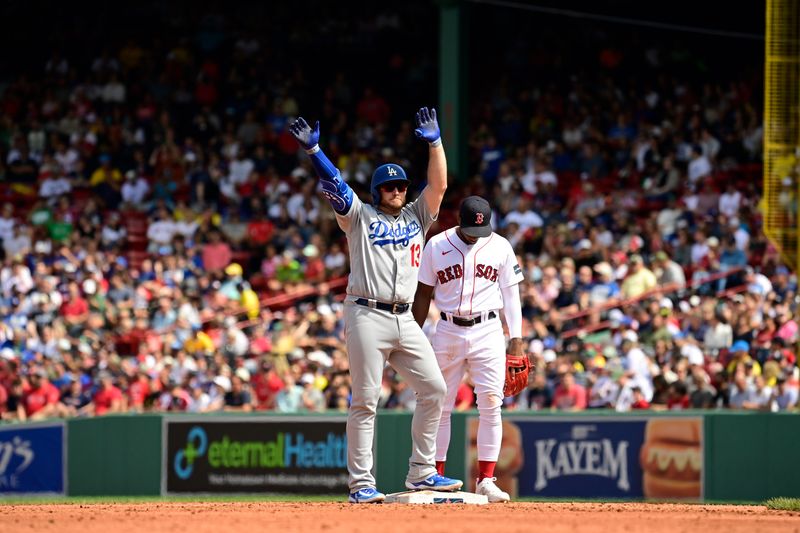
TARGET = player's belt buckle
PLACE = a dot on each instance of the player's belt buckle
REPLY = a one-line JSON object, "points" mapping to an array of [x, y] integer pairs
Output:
{"points": [[397, 308]]}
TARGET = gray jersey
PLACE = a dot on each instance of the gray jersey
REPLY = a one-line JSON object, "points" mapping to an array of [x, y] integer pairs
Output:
{"points": [[385, 251]]}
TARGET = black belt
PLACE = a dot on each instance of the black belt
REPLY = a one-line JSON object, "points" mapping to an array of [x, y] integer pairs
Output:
{"points": [[468, 322], [395, 308]]}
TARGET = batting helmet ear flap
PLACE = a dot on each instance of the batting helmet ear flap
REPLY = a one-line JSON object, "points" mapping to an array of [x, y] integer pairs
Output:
{"points": [[384, 174]]}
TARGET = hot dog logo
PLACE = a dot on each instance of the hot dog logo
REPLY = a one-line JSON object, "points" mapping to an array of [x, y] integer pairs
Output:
{"points": [[672, 458]]}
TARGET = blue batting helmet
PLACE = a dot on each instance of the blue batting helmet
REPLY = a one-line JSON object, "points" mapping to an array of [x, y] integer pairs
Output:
{"points": [[384, 174]]}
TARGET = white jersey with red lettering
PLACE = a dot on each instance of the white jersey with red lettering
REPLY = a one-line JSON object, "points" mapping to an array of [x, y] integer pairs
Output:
{"points": [[468, 278], [467, 281]]}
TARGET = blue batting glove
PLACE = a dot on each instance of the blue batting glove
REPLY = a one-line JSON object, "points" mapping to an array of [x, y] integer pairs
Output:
{"points": [[427, 126], [301, 131]]}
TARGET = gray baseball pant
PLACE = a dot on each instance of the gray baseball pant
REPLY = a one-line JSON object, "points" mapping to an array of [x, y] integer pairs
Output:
{"points": [[373, 338]]}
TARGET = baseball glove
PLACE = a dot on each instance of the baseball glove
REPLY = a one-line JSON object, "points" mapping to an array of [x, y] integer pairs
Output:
{"points": [[518, 381]]}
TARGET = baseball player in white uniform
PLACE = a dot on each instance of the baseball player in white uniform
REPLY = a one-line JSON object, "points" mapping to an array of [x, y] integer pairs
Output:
{"points": [[385, 241], [472, 273]]}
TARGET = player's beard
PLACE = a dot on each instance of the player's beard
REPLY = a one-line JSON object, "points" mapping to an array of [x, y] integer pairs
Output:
{"points": [[394, 204]]}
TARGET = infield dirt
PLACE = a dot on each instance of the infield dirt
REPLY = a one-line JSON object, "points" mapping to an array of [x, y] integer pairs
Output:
{"points": [[284, 517]]}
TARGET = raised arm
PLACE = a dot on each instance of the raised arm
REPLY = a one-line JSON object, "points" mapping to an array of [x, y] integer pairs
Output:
{"points": [[335, 189], [428, 130]]}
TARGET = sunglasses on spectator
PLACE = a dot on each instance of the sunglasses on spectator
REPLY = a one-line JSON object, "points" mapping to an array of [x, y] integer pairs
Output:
{"points": [[391, 187]]}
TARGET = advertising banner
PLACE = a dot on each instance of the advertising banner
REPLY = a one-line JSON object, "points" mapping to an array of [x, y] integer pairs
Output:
{"points": [[300, 455], [599, 457], [32, 459]]}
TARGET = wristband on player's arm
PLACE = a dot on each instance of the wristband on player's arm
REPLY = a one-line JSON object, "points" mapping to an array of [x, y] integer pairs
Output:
{"points": [[325, 169], [334, 188], [437, 142]]}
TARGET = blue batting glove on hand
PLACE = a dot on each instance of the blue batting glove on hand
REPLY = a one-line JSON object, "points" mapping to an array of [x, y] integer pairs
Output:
{"points": [[307, 137], [427, 126]]}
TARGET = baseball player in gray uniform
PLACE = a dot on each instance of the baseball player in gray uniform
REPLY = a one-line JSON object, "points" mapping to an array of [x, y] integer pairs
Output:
{"points": [[386, 241]]}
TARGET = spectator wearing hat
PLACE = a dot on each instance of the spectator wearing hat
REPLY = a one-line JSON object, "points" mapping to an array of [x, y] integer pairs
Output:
{"points": [[312, 398], [605, 289], [639, 402], [668, 272], [134, 191], [266, 385], [640, 279], [740, 356], [784, 397]]}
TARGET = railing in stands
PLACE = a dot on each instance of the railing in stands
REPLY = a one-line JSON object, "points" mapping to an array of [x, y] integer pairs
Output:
{"points": [[659, 291]]}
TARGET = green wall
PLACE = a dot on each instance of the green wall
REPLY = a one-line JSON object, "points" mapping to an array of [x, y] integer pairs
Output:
{"points": [[751, 456], [114, 455], [393, 437]]}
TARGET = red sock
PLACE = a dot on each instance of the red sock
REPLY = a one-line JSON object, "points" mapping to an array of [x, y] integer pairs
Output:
{"points": [[440, 467], [486, 469]]}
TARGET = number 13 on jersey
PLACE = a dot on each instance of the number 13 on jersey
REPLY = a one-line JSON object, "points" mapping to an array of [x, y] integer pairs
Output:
{"points": [[416, 252]]}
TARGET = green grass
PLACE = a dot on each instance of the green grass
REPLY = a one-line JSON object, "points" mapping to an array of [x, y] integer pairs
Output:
{"points": [[89, 500], [783, 504]]}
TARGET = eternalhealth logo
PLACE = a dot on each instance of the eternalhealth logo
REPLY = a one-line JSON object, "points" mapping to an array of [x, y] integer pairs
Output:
{"points": [[196, 443], [287, 450]]}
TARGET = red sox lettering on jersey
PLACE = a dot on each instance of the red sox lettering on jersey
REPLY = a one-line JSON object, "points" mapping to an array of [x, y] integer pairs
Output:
{"points": [[467, 278]]}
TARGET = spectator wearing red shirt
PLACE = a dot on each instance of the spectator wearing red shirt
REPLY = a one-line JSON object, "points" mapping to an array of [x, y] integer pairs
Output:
{"points": [[639, 401], [42, 399], [569, 396], [259, 232], [372, 108], [678, 396], [108, 398], [216, 254], [137, 392], [266, 385], [465, 397], [75, 310]]}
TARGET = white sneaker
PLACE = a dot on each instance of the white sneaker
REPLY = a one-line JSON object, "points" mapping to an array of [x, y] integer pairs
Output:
{"points": [[487, 488]]}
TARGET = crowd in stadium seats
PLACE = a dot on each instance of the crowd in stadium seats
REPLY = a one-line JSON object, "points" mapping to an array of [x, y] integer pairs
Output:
{"points": [[164, 247]]}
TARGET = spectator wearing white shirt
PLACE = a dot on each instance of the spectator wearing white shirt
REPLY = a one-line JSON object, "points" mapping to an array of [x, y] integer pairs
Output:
{"points": [[524, 217], [730, 201], [19, 243], [7, 222], [709, 144], [699, 166], [113, 91], [67, 158], [636, 364], [700, 247], [740, 234], [135, 189], [161, 232], [757, 283], [52, 187]]}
